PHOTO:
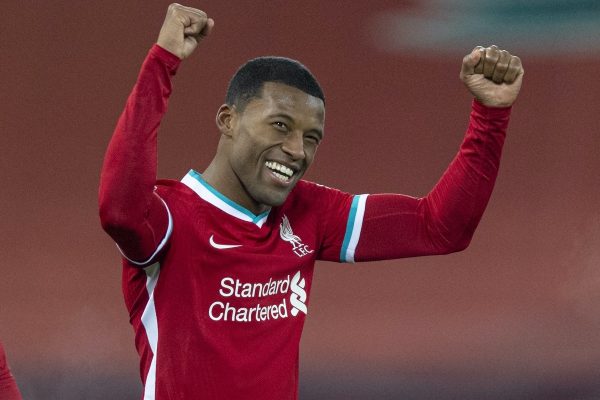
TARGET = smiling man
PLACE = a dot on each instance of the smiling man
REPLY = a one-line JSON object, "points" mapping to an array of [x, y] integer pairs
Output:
{"points": [[217, 267], [272, 123]]}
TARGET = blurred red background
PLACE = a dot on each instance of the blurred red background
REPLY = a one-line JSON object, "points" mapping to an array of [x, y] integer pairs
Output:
{"points": [[515, 316]]}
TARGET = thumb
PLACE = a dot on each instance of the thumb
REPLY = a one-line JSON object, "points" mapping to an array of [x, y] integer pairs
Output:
{"points": [[199, 30], [210, 23], [471, 60]]}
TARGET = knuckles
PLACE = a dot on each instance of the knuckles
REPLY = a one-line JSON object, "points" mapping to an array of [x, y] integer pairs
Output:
{"points": [[497, 64], [177, 9], [492, 55], [494, 67], [516, 62], [173, 8]]}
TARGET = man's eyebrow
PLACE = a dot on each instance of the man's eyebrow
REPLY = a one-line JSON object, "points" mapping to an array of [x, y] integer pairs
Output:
{"points": [[281, 115], [291, 119]]}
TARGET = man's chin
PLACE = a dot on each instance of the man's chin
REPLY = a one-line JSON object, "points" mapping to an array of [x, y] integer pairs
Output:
{"points": [[274, 199]]}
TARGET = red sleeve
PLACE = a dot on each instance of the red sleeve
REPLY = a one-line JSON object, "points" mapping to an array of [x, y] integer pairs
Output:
{"points": [[8, 386], [333, 220], [395, 226], [130, 211]]}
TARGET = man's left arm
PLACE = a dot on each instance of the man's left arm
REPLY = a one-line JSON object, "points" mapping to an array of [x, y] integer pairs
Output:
{"points": [[388, 226]]}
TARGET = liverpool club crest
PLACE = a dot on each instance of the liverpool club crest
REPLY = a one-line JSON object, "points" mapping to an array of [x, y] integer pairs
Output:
{"points": [[286, 233]]}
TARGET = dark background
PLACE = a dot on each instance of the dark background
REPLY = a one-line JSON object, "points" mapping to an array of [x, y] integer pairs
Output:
{"points": [[515, 316]]}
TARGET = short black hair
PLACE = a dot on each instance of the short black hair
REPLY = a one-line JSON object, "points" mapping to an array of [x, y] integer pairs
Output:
{"points": [[248, 81]]}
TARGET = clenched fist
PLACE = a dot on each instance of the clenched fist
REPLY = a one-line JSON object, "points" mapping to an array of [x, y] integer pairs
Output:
{"points": [[492, 75], [182, 29]]}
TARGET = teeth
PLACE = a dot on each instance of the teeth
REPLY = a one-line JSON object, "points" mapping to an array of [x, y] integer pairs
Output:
{"points": [[284, 171], [281, 177]]}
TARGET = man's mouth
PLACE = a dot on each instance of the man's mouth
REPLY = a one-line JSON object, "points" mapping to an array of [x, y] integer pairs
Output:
{"points": [[283, 173]]}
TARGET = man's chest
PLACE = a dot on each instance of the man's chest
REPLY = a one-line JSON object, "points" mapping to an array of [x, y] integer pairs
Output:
{"points": [[238, 272], [214, 238]]}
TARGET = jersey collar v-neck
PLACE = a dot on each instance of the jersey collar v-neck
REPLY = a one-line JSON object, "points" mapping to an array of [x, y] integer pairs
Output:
{"points": [[206, 192]]}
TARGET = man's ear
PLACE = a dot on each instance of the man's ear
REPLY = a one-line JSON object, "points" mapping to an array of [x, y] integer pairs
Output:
{"points": [[225, 119]]}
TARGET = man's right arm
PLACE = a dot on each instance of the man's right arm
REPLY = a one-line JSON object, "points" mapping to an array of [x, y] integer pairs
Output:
{"points": [[130, 211]]}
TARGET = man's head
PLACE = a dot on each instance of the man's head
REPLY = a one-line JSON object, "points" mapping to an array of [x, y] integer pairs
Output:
{"points": [[272, 123], [249, 79]]}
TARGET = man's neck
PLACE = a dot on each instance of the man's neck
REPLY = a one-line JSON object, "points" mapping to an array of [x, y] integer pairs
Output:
{"points": [[230, 186]]}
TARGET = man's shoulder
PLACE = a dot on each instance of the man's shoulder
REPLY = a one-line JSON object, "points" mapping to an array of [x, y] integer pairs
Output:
{"points": [[309, 189], [170, 185], [172, 191], [305, 187], [311, 193]]}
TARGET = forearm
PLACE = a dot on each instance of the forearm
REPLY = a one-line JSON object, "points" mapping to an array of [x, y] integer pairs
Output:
{"points": [[456, 204], [130, 212], [444, 221]]}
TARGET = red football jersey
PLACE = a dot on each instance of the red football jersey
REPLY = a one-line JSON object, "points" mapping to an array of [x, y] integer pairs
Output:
{"points": [[219, 307], [8, 387], [220, 312]]}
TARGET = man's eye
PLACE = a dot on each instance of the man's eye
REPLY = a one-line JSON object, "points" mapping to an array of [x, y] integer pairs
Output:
{"points": [[312, 139], [280, 125]]}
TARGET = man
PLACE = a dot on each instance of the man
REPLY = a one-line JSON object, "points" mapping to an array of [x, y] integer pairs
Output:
{"points": [[218, 267], [8, 386]]}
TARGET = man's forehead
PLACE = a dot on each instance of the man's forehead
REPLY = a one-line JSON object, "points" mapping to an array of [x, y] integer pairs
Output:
{"points": [[281, 97]]}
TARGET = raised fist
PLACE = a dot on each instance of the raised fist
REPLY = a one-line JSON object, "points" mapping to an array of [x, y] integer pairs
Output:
{"points": [[182, 29], [492, 75]]}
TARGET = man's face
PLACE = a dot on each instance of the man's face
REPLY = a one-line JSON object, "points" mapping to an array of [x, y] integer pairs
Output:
{"points": [[273, 142]]}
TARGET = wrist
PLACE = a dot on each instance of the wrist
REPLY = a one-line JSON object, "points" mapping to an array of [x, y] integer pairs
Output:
{"points": [[493, 104], [485, 110], [166, 56]]}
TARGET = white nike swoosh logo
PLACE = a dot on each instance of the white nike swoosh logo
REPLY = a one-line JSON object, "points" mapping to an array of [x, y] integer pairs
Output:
{"points": [[221, 246]]}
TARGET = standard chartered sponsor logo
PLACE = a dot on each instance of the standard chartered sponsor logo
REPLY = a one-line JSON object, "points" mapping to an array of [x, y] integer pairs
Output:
{"points": [[234, 288], [298, 297]]}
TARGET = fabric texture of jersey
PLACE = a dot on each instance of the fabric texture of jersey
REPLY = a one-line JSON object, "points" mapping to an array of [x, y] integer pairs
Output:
{"points": [[220, 313], [8, 386], [217, 295]]}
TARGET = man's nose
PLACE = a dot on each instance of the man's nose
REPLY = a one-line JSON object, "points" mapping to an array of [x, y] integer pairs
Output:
{"points": [[294, 145]]}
